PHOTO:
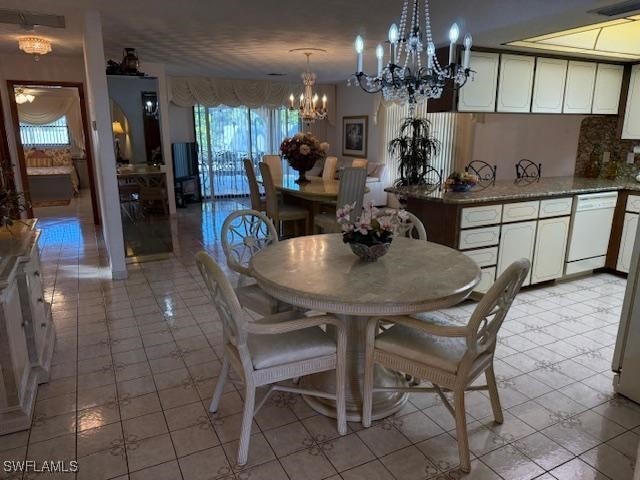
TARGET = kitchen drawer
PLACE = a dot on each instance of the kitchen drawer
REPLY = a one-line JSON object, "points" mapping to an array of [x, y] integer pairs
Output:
{"points": [[487, 278], [517, 212], [633, 203], [479, 216], [484, 257], [479, 237], [556, 207]]}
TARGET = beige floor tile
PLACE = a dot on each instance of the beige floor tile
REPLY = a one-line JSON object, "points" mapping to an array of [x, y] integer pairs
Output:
{"points": [[544, 451], [101, 438], [510, 463], [259, 452], [289, 438], [347, 452], [149, 452], [441, 451], [576, 469], [383, 439], [102, 465], [369, 471], [139, 405], [186, 415], [309, 464], [164, 471], [228, 428], [205, 465], [145, 426], [194, 438], [46, 428], [181, 395]]}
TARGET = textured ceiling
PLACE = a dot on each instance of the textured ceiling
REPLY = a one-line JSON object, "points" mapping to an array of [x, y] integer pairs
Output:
{"points": [[251, 38]]}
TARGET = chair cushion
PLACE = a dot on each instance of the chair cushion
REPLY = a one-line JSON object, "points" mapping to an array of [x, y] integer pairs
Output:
{"points": [[444, 353], [273, 350], [256, 300]]}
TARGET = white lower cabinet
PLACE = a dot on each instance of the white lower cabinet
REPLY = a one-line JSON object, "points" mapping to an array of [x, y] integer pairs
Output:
{"points": [[487, 277], [550, 248], [627, 241], [516, 242]]}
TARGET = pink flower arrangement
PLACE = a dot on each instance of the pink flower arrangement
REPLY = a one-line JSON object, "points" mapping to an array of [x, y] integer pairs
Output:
{"points": [[372, 227], [302, 151]]}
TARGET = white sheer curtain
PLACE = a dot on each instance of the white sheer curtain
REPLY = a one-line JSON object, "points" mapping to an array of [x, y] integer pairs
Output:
{"points": [[51, 104]]}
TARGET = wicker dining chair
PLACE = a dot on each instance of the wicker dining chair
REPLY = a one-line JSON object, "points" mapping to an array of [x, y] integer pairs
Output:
{"points": [[350, 191], [257, 201], [244, 233], [330, 168], [280, 212], [275, 164], [271, 350], [447, 355], [360, 163], [409, 225]]}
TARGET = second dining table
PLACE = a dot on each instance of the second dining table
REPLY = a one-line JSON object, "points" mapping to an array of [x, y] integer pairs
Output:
{"points": [[319, 272]]}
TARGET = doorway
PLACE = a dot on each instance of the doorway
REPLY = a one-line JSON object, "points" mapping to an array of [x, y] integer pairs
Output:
{"points": [[54, 150]]}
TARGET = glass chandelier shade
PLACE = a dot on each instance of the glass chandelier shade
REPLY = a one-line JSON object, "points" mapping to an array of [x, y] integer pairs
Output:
{"points": [[308, 105], [413, 72], [22, 97], [34, 46]]}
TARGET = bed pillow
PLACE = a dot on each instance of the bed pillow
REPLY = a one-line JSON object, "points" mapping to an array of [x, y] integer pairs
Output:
{"points": [[38, 158], [60, 156]]}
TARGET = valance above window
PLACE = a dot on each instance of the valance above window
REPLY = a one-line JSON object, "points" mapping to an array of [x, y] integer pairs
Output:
{"points": [[213, 92]]}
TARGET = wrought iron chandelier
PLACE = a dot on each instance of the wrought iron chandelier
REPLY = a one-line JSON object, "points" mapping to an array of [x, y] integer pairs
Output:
{"points": [[310, 110], [413, 72]]}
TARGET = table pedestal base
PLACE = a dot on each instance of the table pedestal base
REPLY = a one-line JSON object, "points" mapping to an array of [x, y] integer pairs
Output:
{"points": [[384, 403]]}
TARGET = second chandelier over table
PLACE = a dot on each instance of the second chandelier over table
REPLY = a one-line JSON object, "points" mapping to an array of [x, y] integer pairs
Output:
{"points": [[413, 72]]}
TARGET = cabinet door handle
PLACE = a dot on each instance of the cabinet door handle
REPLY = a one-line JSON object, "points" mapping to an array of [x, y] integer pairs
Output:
{"points": [[40, 300], [36, 273]]}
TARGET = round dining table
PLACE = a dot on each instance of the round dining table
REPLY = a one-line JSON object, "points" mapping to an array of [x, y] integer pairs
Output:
{"points": [[319, 272]]}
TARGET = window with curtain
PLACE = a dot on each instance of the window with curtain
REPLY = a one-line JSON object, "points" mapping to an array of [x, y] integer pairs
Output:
{"points": [[443, 125], [54, 133], [228, 135]]}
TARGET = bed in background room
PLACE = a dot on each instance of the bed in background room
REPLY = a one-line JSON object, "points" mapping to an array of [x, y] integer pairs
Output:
{"points": [[52, 176]]}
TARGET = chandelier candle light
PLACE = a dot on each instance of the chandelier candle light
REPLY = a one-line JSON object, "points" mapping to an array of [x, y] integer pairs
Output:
{"points": [[308, 106], [413, 72]]}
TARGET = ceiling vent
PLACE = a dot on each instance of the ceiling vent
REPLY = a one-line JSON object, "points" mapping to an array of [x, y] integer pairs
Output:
{"points": [[28, 20], [621, 8]]}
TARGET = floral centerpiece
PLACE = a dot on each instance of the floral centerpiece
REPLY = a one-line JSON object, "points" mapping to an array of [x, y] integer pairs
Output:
{"points": [[370, 235], [461, 182], [302, 151]]}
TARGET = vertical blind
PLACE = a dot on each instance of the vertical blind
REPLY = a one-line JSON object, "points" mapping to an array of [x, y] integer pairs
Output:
{"points": [[228, 135], [443, 128], [54, 133]]}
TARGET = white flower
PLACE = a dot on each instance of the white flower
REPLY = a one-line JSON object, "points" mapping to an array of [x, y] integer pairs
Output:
{"points": [[305, 149]]}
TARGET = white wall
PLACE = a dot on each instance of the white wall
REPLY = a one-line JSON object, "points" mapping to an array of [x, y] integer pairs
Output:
{"points": [[504, 139], [181, 124], [353, 101], [49, 68], [104, 154]]}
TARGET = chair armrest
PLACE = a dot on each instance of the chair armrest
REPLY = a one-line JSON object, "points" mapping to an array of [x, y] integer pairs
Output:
{"points": [[423, 325], [274, 328]]}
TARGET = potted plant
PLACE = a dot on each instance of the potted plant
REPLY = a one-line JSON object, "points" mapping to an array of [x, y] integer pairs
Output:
{"points": [[302, 151], [12, 203], [415, 147], [370, 235]]}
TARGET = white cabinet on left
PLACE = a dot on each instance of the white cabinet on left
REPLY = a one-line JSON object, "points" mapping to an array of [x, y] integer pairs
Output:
{"points": [[516, 241], [27, 335]]}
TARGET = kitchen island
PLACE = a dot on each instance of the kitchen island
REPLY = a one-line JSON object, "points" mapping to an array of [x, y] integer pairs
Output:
{"points": [[498, 223]]}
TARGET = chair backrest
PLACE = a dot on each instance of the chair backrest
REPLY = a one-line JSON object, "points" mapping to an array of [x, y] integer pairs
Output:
{"points": [[360, 163], [244, 233], [225, 300], [486, 173], [490, 312], [330, 167], [275, 164], [271, 195], [254, 190], [409, 225], [351, 189]]}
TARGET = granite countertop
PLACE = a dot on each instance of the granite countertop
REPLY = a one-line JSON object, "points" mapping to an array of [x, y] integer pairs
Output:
{"points": [[509, 190]]}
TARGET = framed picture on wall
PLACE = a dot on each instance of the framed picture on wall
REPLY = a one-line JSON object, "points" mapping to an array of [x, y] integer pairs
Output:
{"points": [[355, 136]]}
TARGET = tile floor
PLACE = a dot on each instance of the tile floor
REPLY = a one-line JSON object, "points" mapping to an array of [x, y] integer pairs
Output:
{"points": [[136, 361]]}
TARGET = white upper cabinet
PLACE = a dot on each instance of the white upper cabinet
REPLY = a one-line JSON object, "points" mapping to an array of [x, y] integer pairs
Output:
{"points": [[548, 87], [631, 128], [606, 95], [516, 82], [479, 95], [578, 96]]}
